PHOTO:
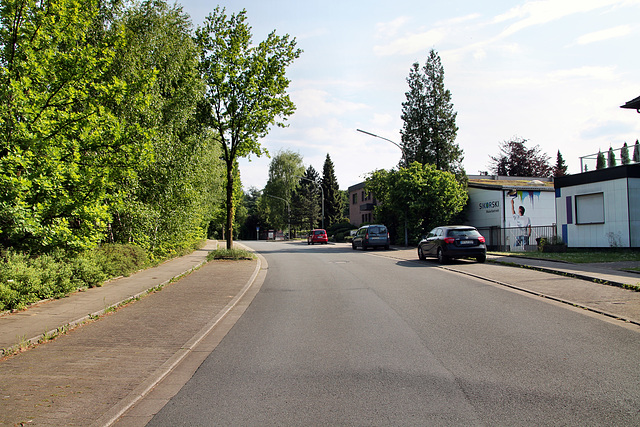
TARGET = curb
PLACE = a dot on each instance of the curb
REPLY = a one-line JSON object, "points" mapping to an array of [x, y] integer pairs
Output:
{"points": [[112, 416], [552, 298]]}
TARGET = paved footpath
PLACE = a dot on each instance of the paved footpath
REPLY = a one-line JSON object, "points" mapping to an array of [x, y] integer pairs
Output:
{"points": [[106, 371], [96, 371]]}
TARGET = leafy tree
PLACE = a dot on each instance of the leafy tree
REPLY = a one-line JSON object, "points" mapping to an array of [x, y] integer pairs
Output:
{"points": [[611, 158], [332, 196], [252, 219], [515, 159], [560, 169], [624, 154], [285, 171], [245, 89], [62, 145], [169, 204], [600, 161], [307, 201], [636, 152], [429, 130], [419, 196]]}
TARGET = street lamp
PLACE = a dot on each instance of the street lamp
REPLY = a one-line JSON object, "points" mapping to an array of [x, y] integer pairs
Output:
{"points": [[288, 212], [406, 159], [404, 154], [321, 189]]}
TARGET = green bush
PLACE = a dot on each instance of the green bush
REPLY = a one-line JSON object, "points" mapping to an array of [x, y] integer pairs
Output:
{"points": [[25, 280], [120, 260]]}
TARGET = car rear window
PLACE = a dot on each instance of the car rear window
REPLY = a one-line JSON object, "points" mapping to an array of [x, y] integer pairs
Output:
{"points": [[378, 230], [319, 232], [469, 232]]}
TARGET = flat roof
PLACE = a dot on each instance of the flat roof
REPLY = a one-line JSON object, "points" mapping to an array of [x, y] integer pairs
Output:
{"points": [[599, 175]]}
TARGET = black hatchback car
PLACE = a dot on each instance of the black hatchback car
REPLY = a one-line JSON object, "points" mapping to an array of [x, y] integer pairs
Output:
{"points": [[452, 242]]}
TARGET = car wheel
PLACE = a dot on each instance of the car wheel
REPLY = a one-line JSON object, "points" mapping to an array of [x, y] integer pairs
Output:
{"points": [[364, 247], [353, 246], [481, 258], [421, 254], [386, 248], [441, 258]]}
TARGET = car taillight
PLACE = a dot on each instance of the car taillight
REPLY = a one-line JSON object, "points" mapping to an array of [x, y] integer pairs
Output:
{"points": [[366, 236], [449, 240], [481, 239]]}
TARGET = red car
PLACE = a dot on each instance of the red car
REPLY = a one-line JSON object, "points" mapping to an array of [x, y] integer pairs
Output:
{"points": [[317, 236]]}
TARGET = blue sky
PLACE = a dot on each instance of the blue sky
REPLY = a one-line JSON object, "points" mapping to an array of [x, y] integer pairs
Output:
{"points": [[552, 71]]}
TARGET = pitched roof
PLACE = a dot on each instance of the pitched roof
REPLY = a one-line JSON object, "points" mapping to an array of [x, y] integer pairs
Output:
{"points": [[634, 104]]}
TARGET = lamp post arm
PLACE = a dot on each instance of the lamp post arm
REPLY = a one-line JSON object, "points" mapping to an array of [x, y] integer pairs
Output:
{"points": [[404, 154]]}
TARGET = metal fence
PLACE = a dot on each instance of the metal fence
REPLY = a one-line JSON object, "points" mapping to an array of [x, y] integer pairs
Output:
{"points": [[516, 239]]}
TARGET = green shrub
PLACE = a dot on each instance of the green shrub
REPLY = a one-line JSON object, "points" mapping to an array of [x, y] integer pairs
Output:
{"points": [[25, 280], [116, 259]]}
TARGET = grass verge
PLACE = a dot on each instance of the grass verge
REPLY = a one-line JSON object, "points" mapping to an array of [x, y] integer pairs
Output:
{"points": [[579, 257], [230, 254]]}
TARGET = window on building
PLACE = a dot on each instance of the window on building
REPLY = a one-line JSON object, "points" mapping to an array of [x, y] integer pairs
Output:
{"points": [[355, 198], [590, 209]]}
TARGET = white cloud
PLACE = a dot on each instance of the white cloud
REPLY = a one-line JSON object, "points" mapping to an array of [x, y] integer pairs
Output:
{"points": [[594, 73], [597, 36], [411, 44], [390, 29], [316, 103], [544, 11]]}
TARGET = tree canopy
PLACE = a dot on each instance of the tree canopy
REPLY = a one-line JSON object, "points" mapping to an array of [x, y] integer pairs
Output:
{"points": [[62, 144], [429, 129], [419, 196], [515, 159], [246, 89]]}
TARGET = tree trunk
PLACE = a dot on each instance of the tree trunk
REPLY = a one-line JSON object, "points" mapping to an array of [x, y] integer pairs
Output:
{"points": [[230, 206]]}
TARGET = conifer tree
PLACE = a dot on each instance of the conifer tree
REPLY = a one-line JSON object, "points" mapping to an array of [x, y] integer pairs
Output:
{"points": [[429, 130], [560, 168], [636, 153], [600, 161], [611, 158], [332, 196], [624, 154]]}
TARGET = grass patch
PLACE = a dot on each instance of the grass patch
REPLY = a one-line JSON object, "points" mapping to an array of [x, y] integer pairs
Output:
{"points": [[579, 257], [230, 254]]}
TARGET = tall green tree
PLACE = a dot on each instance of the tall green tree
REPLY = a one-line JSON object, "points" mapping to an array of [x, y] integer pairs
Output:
{"points": [[285, 170], [515, 159], [429, 130], [332, 197], [636, 152], [171, 201], [62, 144], [420, 197], [246, 89], [307, 201], [560, 169]]}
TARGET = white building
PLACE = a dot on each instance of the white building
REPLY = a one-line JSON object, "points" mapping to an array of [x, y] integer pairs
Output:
{"points": [[512, 212], [600, 208]]}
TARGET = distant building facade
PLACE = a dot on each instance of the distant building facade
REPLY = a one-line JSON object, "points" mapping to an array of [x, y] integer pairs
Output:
{"points": [[361, 205]]}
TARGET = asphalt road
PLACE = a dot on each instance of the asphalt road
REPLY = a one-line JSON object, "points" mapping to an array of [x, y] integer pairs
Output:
{"points": [[342, 337]]}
